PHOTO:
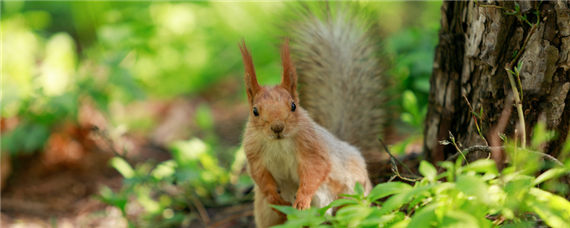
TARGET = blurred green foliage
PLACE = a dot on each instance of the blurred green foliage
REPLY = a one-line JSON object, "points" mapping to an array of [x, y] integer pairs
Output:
{"points": [[60, 54], [166, 192]]}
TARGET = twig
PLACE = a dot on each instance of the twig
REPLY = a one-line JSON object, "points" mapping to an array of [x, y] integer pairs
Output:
{"points": [[395, 166], [476, 120], [488, 149], [518, 103], [110, 143], [392, 156], [526, 39], [517, 97], [452, 138], [201, 210]]}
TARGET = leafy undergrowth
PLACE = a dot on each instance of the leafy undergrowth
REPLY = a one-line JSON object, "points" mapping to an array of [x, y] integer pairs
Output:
{"points": [[177, 192], [475, 195], [471, 195]]}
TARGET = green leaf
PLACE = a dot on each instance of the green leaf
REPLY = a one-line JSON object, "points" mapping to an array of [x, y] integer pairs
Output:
{"points": [[285, 209], [358, 189], [386, 189], [396, 201], [407, 118], [410, 102], [541, 135], [519, 67], [425, 217], [427, 170], [353, 214], [26, 137], [376, 220], [164, 169], [473, 186], [457, 218], [516, 189], [549, 174], [553, 209], [342, 202], [123, 167], [449, 170], [108, 196], [187, 153], [482, 166]]}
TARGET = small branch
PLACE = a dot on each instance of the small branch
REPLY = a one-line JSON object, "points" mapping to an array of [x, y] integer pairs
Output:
{"points": [[201, 210], [104, 135], [518, 103], [476, 120], [488, 149], [395, 166]]}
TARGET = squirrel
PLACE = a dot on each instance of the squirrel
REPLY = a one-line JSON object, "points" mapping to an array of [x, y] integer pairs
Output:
{"points": [[307, 155]]}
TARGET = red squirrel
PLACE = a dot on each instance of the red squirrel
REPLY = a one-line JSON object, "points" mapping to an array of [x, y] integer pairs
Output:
{"points": [[292, 158]]}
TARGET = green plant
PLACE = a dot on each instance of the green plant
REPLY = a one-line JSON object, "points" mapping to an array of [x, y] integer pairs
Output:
{"points": [[168, 193], [472, 195], [44, 83], [413, 113], [411, 51]]}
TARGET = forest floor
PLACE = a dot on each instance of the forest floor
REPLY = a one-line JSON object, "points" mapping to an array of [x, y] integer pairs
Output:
{"points": [[58, 187], [67, 197]]}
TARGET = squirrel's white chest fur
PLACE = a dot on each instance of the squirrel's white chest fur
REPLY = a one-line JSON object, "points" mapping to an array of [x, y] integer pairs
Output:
{"points": [[281, 161]]}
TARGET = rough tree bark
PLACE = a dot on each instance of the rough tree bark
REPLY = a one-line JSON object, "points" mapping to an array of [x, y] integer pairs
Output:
{"points": [[477, 41]]}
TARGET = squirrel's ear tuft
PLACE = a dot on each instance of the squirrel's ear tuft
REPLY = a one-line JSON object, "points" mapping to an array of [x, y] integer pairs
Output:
{"points": [[251, 84], [289, 79]]}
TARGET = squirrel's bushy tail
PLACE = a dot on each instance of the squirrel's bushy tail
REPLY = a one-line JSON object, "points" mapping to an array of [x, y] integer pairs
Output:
{"points": [[341, 83]]}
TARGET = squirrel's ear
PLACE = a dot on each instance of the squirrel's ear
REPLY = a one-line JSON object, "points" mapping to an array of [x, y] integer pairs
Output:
{"points": [[289, 79], [251, 85]]}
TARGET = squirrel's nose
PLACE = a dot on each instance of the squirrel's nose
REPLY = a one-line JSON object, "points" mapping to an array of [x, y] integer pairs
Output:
{"points": [[277, 128]]}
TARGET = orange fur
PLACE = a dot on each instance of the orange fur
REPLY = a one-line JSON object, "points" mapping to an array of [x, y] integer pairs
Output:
{"points": [[313, 169], [289, 77], [250, 77], [336, 186]]}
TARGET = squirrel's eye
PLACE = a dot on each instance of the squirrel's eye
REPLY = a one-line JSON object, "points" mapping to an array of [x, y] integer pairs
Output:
{"points": [[293, 106], [255, 112]]}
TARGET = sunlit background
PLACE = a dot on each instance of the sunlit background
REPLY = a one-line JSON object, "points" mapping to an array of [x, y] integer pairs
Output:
{"points": [[116, 111]]}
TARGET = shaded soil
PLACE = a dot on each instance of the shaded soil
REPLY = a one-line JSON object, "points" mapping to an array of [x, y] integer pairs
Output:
{"points": [[58, 186], [40, 195], [66, 197]]}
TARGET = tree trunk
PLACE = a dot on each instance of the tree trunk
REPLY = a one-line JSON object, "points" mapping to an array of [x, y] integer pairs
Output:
{"points": [[477, 41]]}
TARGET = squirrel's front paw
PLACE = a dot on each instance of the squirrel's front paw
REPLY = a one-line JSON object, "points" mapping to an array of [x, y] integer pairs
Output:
{"points": [[302, 204], [277, 200]]}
